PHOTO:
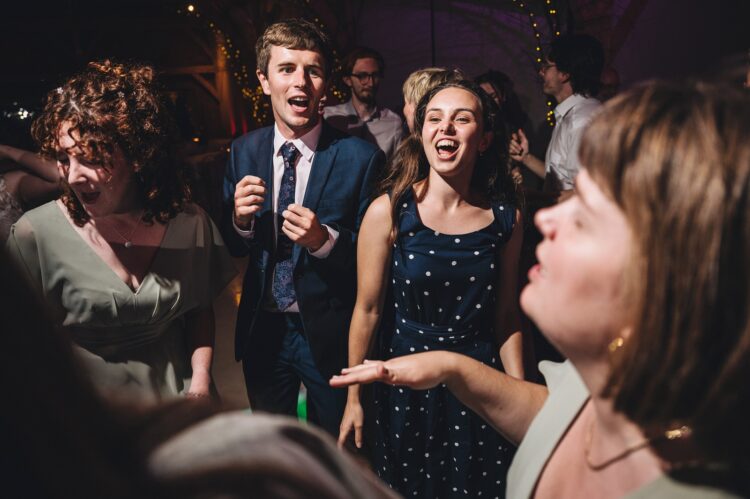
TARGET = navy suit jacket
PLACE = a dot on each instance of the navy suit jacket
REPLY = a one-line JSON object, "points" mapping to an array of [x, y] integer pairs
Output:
{"points": [[339, 190]]}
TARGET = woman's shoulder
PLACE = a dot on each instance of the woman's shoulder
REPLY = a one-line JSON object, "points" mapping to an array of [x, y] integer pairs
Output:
{"points": [[381, 206], [42, 213], [43, 219], [378, 214]]}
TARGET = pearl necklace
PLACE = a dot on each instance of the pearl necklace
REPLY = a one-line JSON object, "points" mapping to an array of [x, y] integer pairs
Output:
{"points": [[128, 240]]}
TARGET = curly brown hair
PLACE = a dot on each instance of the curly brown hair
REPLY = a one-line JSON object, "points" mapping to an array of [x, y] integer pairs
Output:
{"points": [[114, 106]]}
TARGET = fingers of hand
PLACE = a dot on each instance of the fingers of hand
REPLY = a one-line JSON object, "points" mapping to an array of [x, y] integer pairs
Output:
{"points": [[300, 210], [343, 433], [296, 219], [367, 365], [357, 374], [358, 435], [292, 232], [250, 180], [243, 191]]}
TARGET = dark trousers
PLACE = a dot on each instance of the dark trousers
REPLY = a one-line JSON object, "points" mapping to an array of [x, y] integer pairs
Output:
{"points": [[273, 375]]}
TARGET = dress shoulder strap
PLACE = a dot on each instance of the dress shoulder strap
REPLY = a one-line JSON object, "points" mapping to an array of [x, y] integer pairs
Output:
{"points": [[505, 219], [408, 220]]}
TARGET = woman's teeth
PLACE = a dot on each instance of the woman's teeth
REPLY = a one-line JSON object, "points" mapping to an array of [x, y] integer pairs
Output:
{"points": [[446, 146]]}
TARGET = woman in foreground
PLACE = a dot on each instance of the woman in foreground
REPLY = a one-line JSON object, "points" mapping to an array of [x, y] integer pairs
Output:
{"points": [[643, 283], [129, 266], [443, 242]]}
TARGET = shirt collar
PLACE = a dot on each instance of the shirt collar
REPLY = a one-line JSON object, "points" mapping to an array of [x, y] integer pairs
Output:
{"points": [[306, 145], [350, 109], [562, 108]]}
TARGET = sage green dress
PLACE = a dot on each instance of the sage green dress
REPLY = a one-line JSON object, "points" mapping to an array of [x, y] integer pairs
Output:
{"points": [[567, 396], [127, 339]]}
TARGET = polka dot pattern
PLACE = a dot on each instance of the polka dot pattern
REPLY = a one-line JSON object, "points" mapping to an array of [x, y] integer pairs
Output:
{"points": [[428, 444]]}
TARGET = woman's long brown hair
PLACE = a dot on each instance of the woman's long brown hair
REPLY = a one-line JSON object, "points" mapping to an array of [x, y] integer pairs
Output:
{"points": [[409, 165]]}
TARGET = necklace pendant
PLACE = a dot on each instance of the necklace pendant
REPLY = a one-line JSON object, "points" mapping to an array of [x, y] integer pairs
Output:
{"points": [[128, 244]]}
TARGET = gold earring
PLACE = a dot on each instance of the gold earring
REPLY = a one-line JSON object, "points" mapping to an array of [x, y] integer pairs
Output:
{"points": [[616, 344]]}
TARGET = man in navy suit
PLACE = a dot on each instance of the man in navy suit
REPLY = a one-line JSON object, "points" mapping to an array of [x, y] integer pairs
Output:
{"points": [[295, 194]]}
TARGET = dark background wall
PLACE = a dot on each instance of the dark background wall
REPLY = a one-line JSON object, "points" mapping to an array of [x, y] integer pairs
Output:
{"points": [[43, 42]]}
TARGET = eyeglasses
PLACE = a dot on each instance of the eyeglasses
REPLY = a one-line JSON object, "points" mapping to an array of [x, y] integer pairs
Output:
{"points": [[363, 77]]}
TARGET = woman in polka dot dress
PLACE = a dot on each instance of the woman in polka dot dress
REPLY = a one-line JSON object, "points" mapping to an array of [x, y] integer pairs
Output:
{"points": [[446, 238]]}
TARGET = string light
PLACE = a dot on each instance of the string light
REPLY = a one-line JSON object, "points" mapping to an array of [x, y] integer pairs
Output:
{"points": [[552, 11], [260, 109]]}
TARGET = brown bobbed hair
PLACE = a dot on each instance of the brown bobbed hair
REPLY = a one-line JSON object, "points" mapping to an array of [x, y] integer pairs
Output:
{"points": [[118, 107], [491, 177], [676, 159], [296, 34]]}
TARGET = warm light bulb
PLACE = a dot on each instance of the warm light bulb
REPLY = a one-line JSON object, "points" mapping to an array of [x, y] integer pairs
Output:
{"points": [[190, 7]]}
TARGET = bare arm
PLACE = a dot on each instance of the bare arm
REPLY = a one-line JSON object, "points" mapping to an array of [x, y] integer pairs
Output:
{"points": [[200, 335], [373, 256], [506, 403], [507, 317], [43, 168]]}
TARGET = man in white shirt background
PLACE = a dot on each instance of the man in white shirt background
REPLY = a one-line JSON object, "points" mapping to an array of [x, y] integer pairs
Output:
{"points": [[570, 74], [363, 70]]}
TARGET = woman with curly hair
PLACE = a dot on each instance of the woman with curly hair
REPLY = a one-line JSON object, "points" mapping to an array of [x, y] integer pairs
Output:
{"points": [[128, 263]]}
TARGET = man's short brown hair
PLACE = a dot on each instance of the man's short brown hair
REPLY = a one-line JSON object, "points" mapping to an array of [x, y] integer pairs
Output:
{"points": [[296, 34]]}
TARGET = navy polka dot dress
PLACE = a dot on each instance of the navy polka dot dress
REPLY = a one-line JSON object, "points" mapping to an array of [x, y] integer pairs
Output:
{"points": [[428, 444]]}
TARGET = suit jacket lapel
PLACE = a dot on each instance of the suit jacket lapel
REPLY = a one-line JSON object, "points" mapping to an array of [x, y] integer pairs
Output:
{"points": [[321, 167], [322, 164], [264, 161]]}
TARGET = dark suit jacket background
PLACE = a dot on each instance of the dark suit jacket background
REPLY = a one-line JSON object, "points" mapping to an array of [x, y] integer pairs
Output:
{"points": [[339, 190]]}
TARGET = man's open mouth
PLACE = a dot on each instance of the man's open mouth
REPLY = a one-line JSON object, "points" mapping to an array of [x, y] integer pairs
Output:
{"points": [[299, 104]]}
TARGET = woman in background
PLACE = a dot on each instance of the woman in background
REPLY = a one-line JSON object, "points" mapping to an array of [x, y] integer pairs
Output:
{"points": [[129, 266], [419, 83], [34, 183]]}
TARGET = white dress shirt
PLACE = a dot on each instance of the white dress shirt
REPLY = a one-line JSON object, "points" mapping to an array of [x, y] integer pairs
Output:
{"points": [[383, 127], [561, 161], [306, 145]]}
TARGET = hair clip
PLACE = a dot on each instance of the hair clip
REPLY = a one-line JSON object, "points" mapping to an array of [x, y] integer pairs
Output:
{"points": [[59, 90]]}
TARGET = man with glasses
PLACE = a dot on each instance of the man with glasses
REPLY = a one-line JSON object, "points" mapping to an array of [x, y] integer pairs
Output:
{"points": [[360, 116], [571, 75]]}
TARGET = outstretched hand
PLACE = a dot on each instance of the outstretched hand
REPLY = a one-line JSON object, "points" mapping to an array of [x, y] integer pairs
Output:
{"points": [[420, 371]]}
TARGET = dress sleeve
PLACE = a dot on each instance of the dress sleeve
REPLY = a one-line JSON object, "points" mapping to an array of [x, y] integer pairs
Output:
{"points": [[218, 267], [23, 251]]}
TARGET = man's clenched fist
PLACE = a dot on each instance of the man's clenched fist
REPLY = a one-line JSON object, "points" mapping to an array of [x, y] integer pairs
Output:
{"points": [[248, 200]]}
